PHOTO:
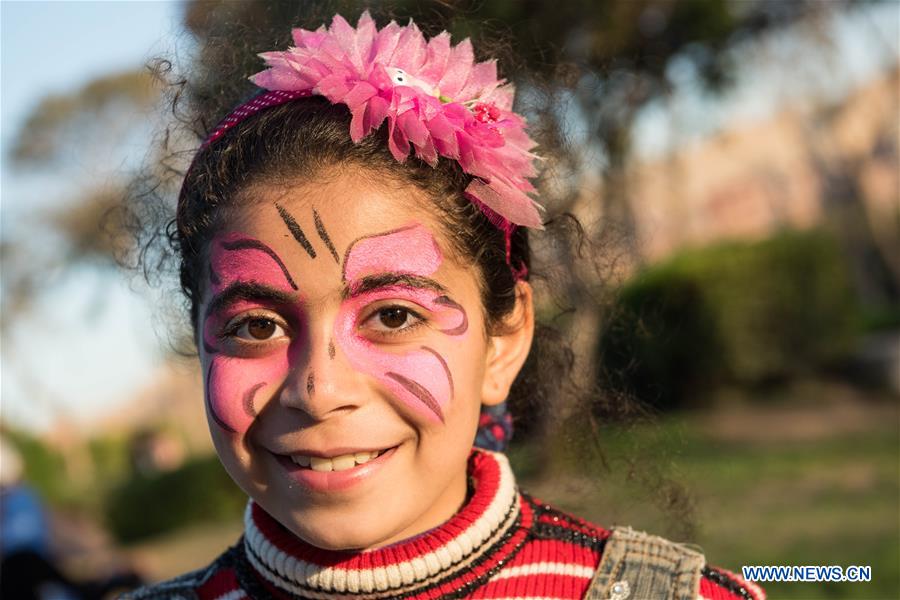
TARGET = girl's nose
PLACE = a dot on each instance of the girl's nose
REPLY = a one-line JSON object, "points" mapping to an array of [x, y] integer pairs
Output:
{"points": [[321, 382]]}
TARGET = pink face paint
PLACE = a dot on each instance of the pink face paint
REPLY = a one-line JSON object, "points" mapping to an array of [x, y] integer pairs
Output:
{"points": [[234, 382], [403, 374], [237, 257], [463, 323], [410, 249], [232, 386], [420, 378]]}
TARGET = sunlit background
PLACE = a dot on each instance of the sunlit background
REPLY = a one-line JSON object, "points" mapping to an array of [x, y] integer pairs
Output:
{"points": [[746, 154]]}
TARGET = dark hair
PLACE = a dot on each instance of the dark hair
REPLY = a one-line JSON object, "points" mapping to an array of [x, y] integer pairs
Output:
{"points": [[308, 138]]}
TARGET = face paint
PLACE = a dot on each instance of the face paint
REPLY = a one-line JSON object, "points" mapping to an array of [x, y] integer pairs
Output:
{"points": [[296, 231], [323, 235], [236, 257], [420, 377], [409, 249], [410, 384], [232, 385], [233, 382], [403, 373]]}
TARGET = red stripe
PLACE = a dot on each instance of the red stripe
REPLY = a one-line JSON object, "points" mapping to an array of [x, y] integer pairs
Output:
{"points": [[222, 582], [555, 586]]}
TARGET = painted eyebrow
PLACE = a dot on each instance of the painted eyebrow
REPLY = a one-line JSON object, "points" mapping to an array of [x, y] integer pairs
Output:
{"points": [[242, 290], [383, 280], [251, 244]]}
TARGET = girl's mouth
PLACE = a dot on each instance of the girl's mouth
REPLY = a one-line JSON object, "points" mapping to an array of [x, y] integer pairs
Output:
{"points": [[335, 473], [336, 463]]}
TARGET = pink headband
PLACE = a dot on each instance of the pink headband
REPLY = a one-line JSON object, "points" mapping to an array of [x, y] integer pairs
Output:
{"points": [[436, 99]]}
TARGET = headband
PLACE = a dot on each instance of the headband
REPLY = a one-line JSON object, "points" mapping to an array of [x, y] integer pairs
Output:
{"points": [[436, 99]]}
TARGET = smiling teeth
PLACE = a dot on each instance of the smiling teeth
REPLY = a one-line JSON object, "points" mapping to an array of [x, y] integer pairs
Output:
{"points": [[335, 463]]}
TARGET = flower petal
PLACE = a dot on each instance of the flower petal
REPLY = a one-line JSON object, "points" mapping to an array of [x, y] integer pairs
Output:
{"points": [[397, 142], [376, 112], [438, 52], [459, 64], [507, 202], [448, 106]]}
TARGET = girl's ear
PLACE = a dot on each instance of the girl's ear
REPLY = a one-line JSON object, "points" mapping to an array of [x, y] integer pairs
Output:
{"points": [[508, 350]]}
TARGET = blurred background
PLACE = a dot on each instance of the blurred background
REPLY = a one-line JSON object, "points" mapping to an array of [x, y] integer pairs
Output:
{"points": [[737, 160]]}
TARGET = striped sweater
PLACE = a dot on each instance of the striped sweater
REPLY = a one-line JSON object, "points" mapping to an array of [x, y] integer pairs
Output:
{"points": [[501, 544]]}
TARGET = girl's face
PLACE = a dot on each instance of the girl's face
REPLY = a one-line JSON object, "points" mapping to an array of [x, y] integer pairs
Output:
{"points": [[345, 360]]}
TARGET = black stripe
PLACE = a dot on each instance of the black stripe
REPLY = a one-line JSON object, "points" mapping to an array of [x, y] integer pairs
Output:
{"points": [[249, 408], [419, 391], [466, 589], [212, 411], [726, 582], [295, 230], [320, 229]]}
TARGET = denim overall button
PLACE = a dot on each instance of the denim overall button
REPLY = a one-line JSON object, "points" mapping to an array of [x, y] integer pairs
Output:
{"points": [[620, 591]]}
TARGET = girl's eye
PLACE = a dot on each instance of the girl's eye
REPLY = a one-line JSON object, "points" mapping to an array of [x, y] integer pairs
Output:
{"points": [[393, 319], [259, 329]]}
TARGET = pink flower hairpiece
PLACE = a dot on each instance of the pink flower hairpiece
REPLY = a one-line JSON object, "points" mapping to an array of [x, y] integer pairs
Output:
{"points": [[436, 99]]}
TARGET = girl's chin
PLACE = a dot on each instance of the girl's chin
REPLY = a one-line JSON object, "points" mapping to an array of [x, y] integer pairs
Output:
{"points": [[341, 538]]}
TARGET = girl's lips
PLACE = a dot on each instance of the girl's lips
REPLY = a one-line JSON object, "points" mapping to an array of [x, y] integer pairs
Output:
{"points": [[332, 481]]}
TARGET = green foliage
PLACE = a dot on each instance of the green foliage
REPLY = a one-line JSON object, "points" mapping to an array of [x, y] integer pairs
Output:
{"points": [[43, 467], [738, 313], [109, 457], [199, 491]]}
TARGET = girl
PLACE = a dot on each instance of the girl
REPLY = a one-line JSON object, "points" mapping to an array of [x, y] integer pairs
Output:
{"points": [[355, 308]]}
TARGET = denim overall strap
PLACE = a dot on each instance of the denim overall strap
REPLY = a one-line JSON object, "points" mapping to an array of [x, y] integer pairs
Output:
{"points": [[639, 566]]}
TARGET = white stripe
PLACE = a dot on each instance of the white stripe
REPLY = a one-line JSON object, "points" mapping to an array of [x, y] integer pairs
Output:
{"points": [[232, 595], [546, 568]]}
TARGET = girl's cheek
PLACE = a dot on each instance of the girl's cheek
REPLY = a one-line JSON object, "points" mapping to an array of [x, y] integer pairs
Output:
{"points": [[420, 378], [234, 388]]}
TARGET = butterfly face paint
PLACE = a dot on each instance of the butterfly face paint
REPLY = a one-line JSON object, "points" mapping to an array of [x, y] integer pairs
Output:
{"points": [[392, 269], [370, 337], [242, 267]]}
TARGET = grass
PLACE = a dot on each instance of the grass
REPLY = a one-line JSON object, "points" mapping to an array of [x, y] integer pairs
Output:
{"points": [[829, 499]]}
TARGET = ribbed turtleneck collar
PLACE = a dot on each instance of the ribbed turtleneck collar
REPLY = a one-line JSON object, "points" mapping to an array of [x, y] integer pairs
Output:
{"points": [[291, 565]]}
